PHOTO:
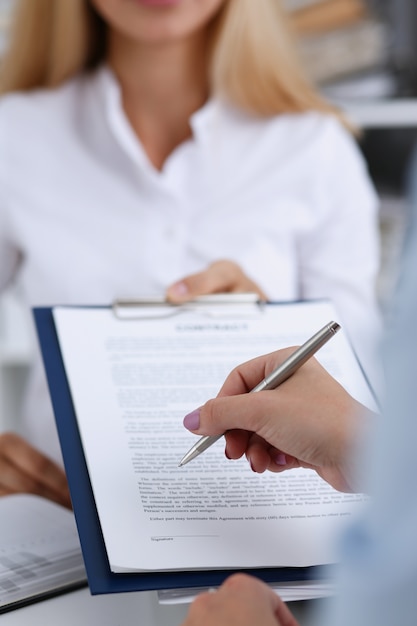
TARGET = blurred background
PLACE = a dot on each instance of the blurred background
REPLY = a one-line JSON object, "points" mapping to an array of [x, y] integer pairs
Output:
{"points": [[363, 56]]}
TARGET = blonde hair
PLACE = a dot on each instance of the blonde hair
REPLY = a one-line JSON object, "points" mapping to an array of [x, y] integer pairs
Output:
{"points": [[51, 41], [253, 61]]}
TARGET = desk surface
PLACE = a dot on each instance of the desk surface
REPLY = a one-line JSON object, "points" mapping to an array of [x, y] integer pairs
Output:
{"points": [[129, 609]]}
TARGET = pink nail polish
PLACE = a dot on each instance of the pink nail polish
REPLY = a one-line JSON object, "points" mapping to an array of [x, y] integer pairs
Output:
{"points": [[180, 289], [281, 459], [192, 420]]}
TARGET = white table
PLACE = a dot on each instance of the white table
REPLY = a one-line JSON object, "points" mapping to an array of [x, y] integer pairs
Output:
{"points": [[127, 609]]}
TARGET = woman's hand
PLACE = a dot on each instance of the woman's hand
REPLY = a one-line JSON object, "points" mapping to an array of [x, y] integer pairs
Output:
{"points": [[240, 601], [220, 277], [308, 421], [25, 470]]}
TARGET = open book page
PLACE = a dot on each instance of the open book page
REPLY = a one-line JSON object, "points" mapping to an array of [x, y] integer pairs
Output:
{"points": [[133, 381], [39, 549]]}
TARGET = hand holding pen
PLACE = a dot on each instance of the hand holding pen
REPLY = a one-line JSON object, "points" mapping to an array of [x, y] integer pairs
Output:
{"points": [[308, 422]]}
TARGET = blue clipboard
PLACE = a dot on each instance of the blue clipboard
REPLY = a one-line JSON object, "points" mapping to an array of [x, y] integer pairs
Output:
{"points": [[100, 578]]}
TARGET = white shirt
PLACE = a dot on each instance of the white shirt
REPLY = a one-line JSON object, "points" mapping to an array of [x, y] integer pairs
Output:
{"points": [[85, 217]]}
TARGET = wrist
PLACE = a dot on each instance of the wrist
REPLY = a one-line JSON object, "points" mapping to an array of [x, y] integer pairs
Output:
{"points": [[352, 443]]}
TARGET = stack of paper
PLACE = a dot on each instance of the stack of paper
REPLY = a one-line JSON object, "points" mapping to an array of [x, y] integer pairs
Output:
{"points": [[40, 553]]}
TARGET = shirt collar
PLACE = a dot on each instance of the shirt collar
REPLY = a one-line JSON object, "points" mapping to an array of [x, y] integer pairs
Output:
{"points": [[110, 93]]}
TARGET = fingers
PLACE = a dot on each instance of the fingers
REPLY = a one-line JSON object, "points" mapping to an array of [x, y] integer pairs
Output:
{"points": [[220, 277], [237, 442], [261, 456], [240, 381], [241, 601], [240, 417], [25, 470], [308, 421], [247, 375], [250, 412]]}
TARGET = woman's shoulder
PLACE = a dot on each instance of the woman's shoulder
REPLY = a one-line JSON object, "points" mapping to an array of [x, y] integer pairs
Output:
{"points": [[29, 110], [315, 138], [311, 128]]}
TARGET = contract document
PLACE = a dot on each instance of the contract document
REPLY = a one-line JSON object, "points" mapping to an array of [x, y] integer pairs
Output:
{"points": [[133, 380]]}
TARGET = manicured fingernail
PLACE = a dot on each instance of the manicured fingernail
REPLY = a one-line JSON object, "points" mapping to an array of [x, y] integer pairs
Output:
{"points": [[192, 420], [179, 289], [281, 459], [252, 468]]}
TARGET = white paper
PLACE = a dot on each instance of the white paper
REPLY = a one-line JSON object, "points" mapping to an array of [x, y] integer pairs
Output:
{"points": [[39, 549], [133, 381], [288, 592]]}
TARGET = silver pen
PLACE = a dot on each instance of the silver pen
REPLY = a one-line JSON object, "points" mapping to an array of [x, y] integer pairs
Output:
{"points": [[278, 376]]}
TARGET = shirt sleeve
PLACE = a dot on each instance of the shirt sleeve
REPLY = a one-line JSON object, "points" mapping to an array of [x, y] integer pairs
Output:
{"points": [[339, 257], [378, 581]]}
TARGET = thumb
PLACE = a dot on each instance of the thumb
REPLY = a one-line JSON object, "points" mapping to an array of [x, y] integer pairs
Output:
{"points": [[200, 284], [221, 276], [252, 412]]}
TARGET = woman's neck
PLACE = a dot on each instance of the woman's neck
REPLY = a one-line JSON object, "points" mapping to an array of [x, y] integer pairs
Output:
{"points": [[162, 85]]}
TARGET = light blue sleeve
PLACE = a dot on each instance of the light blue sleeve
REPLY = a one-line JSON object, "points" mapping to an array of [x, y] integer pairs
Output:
{"points": [[378, 580]]}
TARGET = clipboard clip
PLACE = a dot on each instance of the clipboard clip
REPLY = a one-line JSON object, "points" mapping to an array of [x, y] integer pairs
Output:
{"points": [[219, 305]]}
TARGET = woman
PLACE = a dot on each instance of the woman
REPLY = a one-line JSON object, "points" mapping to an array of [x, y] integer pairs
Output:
{"points": [[145, 140]]}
